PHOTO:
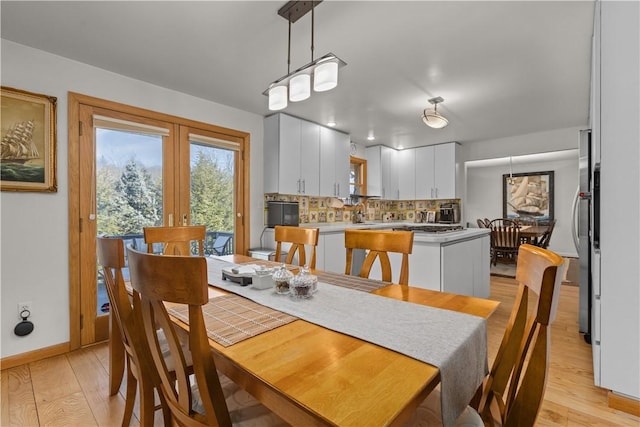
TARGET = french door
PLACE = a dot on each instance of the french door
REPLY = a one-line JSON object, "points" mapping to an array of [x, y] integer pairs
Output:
{"points": [[132, 168]]}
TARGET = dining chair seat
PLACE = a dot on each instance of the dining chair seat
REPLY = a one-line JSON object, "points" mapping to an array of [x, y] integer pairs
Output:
{"points": [[513, 391]]}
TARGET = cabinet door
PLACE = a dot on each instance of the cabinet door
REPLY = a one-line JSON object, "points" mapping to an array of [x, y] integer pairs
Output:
{"points": [[374, 171], [335, 255], [327, 162], [389, 173], [343, 142], [425, 186], [289, 168], [309, 160], [445, 171], [406, 174]]}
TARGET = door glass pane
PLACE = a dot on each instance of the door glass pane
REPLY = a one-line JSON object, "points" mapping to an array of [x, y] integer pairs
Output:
{"points": [[212, 195], [128, 190]]}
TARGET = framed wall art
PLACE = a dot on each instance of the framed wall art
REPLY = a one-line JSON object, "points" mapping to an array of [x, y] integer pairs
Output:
{"points": [[28, 150], [528, 195]]}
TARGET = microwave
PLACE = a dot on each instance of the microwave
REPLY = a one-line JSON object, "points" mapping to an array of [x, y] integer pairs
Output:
{"points": [[282, 213]]}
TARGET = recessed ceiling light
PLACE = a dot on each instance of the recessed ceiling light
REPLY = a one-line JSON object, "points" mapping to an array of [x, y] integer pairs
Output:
{"points": [[331, 124], [371, 138]]}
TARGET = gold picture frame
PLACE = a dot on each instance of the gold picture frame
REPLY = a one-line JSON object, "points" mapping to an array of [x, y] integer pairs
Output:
{"points": [[28, 150]]}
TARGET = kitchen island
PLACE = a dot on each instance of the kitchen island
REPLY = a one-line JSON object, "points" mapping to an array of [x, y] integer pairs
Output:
{"points": [[449, 261]]}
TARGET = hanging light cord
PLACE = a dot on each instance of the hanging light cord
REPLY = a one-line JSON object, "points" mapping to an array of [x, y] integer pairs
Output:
{"points": [[313, 9], [289, 49]]}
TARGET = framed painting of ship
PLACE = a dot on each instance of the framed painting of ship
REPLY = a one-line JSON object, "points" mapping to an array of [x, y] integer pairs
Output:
{"points": [[28, 148], [528, 195]]}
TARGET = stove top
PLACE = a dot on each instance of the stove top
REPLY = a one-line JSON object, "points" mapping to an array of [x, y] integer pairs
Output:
{"points": [[430, 228]]}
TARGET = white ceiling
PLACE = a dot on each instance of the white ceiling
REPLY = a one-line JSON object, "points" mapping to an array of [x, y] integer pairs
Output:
{"points": [[503, 68]]}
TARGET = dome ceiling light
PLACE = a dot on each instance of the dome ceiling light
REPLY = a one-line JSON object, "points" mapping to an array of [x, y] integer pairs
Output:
{"points": [[321, 73], [431, 118]]}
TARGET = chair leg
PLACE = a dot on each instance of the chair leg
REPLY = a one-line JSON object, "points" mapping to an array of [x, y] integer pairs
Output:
{"points": [[147, 404], [132, 386]]}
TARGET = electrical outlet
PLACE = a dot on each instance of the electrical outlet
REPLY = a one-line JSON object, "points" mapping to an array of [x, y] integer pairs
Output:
{"points": [[22, 306]]}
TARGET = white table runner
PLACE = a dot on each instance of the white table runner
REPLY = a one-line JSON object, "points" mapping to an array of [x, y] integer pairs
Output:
{"points": [[454, 342]]}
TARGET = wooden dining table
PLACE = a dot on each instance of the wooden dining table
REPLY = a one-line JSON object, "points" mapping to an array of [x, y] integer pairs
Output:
{"points": [[531, 233], [310, 375]]}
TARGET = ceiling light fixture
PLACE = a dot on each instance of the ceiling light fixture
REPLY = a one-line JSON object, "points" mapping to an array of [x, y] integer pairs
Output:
{"points": [[431, 118], [297, 85]]}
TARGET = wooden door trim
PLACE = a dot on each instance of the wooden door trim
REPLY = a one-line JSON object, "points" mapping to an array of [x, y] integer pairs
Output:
{"points": [[74, 102]]}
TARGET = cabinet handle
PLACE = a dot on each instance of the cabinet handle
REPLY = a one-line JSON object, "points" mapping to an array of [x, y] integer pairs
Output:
{"points": [[298, 186], [304, 186], [338, 192], [436, 192]]}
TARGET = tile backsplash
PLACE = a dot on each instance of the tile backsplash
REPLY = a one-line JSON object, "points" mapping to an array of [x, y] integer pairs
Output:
{"points": [[319, 209]]}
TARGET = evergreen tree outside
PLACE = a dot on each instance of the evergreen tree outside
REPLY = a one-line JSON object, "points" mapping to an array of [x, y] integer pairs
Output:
{"points": [[212, 182]]}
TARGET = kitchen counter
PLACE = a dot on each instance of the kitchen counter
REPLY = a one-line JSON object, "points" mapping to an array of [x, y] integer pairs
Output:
{"points": [[453, 261]]}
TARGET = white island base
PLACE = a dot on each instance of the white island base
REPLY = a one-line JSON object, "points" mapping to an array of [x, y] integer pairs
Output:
{"points": [[456, 262]]}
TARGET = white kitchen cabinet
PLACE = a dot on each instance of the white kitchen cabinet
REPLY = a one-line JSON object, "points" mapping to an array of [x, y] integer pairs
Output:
{"points": [[334, 253], [407, 174], [437, 171], [291, 155], [334, 163], [463, 271], [382, 172]]}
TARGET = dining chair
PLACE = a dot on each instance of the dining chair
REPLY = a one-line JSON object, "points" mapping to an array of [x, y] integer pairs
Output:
{"points": [[505, 240], [141, 374], [298, 237], [162, 280], [379, 243], [176, 240], [513, 391], [546, 237]]}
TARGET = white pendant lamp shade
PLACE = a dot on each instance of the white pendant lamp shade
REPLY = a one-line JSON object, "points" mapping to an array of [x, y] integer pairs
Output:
{"points": [[325, 76], [299, 87], [434, 120], [431, 118], [277, 98]]}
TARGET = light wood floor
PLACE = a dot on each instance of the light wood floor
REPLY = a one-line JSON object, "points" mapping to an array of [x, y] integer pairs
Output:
{"points": [[72, 390]]}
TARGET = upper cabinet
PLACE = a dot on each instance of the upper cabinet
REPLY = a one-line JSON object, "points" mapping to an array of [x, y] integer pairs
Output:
{"points": [[291, 155], [302, 157], [382, 172], [407, 174], [416, 173], [437, 171], [334, 163]]}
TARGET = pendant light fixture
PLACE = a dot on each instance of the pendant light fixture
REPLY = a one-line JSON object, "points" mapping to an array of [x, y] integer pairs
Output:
{"points": [[431, 118], [296, 86]]}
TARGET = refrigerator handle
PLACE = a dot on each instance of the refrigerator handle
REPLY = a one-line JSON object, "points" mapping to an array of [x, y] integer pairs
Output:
{"points": [[574, 224]]}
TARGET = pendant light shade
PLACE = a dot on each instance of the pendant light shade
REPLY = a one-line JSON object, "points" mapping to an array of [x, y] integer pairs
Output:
{"points": [[299, 87], [277, 98], [324, 70], [431, 118], [325, 76]]}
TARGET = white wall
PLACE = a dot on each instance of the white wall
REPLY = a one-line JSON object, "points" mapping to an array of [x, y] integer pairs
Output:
{"points": [[34, 226]]}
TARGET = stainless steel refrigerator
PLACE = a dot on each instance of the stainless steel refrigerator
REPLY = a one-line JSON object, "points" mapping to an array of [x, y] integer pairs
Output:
{"points": [[586, 235]]}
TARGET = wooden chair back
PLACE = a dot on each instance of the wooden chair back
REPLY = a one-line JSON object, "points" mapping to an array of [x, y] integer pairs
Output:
{"points": [[517, 379], [379, 243], [176, 240], [298, 237], [546, 237], [483, 222], [505, 240], [140, 371], [179, 280]]}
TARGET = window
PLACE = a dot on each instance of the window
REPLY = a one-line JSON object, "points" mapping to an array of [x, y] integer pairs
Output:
{"points": [[358, 176]]}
